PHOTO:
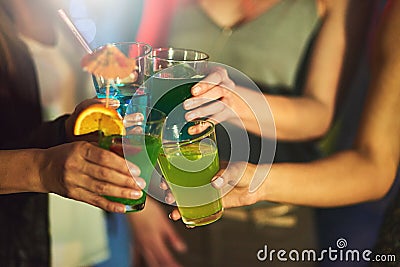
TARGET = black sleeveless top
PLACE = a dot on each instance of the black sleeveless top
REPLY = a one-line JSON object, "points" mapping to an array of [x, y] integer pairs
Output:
{"points": [[24, 226]]}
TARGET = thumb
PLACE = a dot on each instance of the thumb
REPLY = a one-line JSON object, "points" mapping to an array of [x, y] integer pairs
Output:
{"points": [[219, 181]]}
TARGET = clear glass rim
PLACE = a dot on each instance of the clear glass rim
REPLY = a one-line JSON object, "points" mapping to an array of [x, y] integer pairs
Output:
{"points": [[172, 143], [148, 48], [203, 56], [162, 114]]}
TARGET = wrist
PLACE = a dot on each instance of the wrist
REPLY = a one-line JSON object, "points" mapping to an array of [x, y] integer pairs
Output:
{"points": [[262, 178], [40, 163]]}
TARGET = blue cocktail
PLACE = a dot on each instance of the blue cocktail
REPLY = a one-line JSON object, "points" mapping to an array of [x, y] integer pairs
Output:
{"points": [[124, 88]]}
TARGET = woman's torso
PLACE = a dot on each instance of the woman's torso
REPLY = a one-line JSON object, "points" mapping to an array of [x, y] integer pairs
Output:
{"points": [[270, 49]]}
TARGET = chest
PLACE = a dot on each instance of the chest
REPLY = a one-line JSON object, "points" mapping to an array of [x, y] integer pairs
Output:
{"points": [[269, 48]]}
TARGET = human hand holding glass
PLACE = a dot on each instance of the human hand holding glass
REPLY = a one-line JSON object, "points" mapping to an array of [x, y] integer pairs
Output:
{"points": [[213, 97], [228, 95], [83, 171]]}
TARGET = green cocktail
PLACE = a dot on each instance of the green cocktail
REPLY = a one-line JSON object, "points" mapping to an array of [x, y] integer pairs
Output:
{"points": [[169, 94], [171, 74], [188, 167], [141, 146], [140, 149]]}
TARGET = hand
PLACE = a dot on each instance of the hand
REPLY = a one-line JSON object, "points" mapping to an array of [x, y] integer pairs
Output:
{"points": [[238, 184], [153, 234], [213, 97], [85, 172]]}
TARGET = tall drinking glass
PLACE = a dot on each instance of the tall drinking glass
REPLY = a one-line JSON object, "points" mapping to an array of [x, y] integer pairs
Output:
{"points": [[123, 88], [173, 72], [188, 163], [141, 146]]}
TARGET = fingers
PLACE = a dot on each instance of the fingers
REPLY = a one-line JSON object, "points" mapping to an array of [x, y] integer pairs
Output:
{"points": [[218, 76], [175, 215], [197, 129], [164, 256], [134, 123], [218, 182], [107, 159], [163, 184], [169, 198], [140, 182], [205, 111], [133, 119], [211, 88], [136, 130], [176, 241], [214, 92], [97, 200], [106, 173]]}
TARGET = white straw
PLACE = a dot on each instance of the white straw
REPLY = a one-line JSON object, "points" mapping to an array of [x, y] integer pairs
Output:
{"points": [[75, 31]]}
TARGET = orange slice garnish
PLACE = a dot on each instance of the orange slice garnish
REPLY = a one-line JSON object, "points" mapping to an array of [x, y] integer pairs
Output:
{"points": [[99, 118]]}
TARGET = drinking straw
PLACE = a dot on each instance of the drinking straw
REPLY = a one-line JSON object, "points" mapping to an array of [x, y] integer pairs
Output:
{"points": [[75, 31], [84, 44]]}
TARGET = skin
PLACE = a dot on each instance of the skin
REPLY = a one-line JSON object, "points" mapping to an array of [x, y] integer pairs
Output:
{"points": [[363, 173], [78, 170], [83, 171], [156, 236], [296, 118]]}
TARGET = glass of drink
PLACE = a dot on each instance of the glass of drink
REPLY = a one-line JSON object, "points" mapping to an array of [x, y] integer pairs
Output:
{"points": [[141, 146], [123, 88], [188, 163], [173, 72]]}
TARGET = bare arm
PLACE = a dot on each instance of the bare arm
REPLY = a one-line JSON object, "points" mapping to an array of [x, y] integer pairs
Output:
{"points": [[310, 115], [79, 171], [155, 238], [363, 173], [296, 118]]}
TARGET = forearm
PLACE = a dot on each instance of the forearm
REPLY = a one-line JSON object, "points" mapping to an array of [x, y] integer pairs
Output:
{"points": [[19, 171], [299, 118], [346, 178], [294, 118]]}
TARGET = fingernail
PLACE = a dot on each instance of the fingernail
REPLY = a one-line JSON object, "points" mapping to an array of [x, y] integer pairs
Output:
{"points": [[170, 216], [163, 186], [218, 181], [136, 194], [188, 104], [135, 171], [120, 209], [196, 90], [141, 183], [190, 116], [169, 199]]}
